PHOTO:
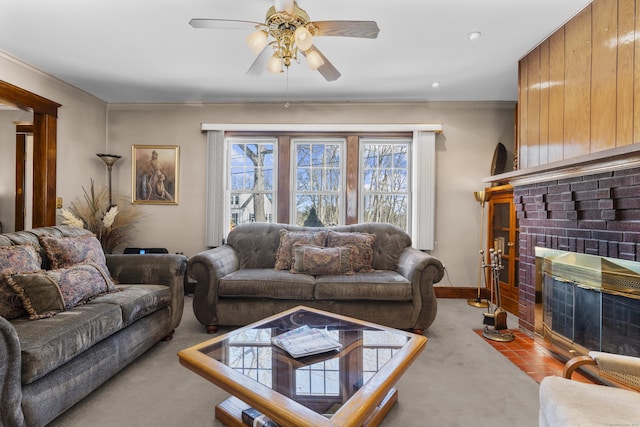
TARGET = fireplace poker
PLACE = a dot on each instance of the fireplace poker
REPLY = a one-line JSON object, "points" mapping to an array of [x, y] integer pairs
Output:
{"points": [[498, 318]]}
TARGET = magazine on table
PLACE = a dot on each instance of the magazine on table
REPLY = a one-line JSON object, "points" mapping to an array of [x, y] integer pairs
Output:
{"points": [[306, 341]]}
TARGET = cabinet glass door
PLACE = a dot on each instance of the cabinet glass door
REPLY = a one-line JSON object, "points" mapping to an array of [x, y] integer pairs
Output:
{"points": [[503, 235]]}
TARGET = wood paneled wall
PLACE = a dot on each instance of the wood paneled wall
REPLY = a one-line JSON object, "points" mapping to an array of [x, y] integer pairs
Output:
{"points": [[579, 90]]}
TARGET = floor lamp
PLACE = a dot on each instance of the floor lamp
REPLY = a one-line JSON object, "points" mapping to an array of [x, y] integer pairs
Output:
{"points": [[109, 160], [481, 197]]}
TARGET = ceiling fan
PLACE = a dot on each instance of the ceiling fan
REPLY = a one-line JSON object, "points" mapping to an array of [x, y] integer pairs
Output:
{"points": [[287, 31]]}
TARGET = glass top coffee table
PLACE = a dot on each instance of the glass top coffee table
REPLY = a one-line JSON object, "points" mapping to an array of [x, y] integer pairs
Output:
{"points": [[347, 387]]}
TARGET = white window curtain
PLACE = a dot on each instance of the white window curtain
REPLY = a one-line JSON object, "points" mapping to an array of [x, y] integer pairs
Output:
{"points": [[216, 172], [423, 174], [423, 183]]}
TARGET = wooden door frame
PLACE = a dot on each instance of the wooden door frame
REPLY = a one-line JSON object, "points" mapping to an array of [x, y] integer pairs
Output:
{"points": [[45, 119], [22, 131]]}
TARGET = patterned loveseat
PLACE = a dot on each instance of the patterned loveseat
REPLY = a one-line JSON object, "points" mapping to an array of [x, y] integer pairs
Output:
{"points": [[242, 281], [66, 327]]}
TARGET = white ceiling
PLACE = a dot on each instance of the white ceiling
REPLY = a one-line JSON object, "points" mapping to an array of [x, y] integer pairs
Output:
{"points": [[145, 50]]}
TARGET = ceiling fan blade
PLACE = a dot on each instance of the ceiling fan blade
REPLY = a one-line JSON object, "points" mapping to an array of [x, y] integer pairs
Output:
{"points": [[363, 29], [223, 24], [328, 71], [260, 62]]}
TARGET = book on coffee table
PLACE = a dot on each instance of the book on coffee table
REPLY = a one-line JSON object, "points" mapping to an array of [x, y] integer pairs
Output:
{"points": [[306, 341], [254, 418]]}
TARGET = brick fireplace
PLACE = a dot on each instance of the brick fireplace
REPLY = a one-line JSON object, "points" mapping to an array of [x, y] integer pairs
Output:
{"points": [[597, 214]]}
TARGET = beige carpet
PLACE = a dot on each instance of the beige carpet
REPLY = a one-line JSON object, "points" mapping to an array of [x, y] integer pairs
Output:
{"points": [[459, 380]]}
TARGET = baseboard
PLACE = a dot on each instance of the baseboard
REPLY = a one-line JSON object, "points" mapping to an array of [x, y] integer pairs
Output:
{"points": [[459, 292]]}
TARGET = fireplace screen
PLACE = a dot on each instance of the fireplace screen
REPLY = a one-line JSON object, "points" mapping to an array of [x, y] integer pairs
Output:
{"points": [[591, 302]]}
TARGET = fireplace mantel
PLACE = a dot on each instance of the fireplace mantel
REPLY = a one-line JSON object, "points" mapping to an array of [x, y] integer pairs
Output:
{"points": [[624, 157]]}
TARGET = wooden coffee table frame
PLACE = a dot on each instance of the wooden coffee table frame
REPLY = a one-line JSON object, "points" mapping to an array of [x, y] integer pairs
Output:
{"points": [[367, 406]]}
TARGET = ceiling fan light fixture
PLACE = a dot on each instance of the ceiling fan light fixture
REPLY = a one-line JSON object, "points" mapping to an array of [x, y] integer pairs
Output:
{"points": [[274, 65], [314, 60], [289, 30], [257, 41], [284, 6], [303, 38]]}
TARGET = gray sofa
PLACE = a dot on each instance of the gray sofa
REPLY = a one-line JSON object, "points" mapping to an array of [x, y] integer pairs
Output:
{"points": [[237, 284], [48, 365]]}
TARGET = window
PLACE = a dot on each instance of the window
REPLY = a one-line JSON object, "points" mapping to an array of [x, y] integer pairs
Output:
{"points": [[385, 194], [318, 184], [251, 180], [323, 178]]}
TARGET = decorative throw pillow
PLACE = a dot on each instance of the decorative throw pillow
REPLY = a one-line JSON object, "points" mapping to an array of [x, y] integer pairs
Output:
{"points": [[361, 245], [318, 260], [48, 292], [19, 259], [15, 259], [66, 252], [10, 303], [284, 256]]}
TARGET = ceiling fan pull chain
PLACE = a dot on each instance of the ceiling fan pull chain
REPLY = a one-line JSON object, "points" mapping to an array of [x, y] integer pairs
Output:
{"points": [[286, 105]]}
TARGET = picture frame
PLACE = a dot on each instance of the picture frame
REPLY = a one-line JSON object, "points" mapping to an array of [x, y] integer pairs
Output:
{"points": [[154, 174]]}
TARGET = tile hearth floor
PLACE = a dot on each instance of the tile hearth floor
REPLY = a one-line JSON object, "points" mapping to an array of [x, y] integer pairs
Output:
{"points": [[531, 356]]}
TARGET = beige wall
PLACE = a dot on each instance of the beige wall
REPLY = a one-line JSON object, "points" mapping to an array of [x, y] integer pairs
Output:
{"points": [[464, 155], [82, 123], [464, 152]]}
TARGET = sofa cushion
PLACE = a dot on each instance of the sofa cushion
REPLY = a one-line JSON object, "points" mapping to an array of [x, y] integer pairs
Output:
{"points": [[361, 245], [65, 252], [49, 343], [284, 255], [316, 260], [136, 301], [565, 402], [267, 283], [376, 285], [15, 259], [47, 292]]}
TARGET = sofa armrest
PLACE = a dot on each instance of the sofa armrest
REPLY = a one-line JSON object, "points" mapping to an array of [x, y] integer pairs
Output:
{"points": [[10, 376], [619, 370], [207, 268], [413, 261], [153, 269], [423, 270]]}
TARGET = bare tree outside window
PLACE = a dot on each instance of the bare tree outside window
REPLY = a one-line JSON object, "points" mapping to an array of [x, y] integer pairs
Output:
{"points": [[251, 182], [318, 181], [385, 183]]}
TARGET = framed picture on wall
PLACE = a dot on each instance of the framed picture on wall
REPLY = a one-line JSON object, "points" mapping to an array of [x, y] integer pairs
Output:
{"points": [[155, 174]]}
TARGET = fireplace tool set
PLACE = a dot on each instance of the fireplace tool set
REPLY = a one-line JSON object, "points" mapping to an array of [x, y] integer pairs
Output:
{"points": [[495, 319]]}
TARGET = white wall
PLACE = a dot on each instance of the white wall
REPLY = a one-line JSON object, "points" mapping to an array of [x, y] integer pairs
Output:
{"points": [[464, 154]]}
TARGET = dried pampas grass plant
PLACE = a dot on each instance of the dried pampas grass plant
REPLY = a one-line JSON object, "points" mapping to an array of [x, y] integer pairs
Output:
{"points": [[110, 224]]}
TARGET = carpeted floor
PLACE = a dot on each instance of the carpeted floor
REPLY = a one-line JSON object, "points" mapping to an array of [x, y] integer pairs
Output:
{"points": [[459, 380]]}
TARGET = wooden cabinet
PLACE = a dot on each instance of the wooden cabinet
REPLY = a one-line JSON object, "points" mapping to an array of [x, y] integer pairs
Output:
{"points": [[503, 235]]}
